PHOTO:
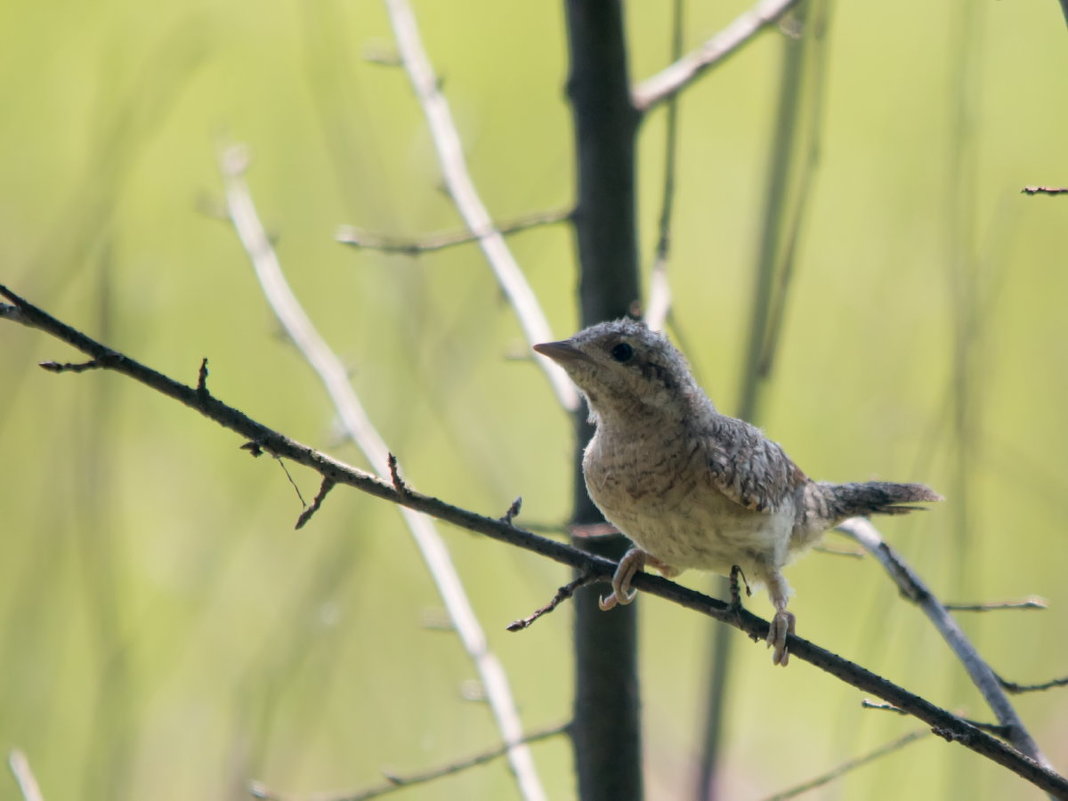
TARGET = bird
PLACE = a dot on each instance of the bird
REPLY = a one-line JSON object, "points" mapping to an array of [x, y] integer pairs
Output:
{"points": [[691, 487]]}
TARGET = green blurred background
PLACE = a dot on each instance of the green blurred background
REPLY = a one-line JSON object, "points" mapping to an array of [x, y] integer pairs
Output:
{"points": [[165, 633]]}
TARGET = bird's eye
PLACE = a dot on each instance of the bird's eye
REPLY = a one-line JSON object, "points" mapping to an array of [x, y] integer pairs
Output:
{"points": [[622, 352]]}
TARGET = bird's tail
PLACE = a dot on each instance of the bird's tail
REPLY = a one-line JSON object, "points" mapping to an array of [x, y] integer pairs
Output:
{"points": [[874, 498]]}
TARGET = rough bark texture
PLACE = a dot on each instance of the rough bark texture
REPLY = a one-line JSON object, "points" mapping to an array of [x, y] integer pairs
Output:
{"points": [[607, 730]]}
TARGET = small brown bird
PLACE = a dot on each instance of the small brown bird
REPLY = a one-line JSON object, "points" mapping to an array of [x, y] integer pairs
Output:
{"points": [[693, 488]]}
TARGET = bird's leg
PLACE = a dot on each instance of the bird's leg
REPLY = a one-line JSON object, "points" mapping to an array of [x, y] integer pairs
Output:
{"points": [[632, 561], [783, 622], [667, 571], [732, 583]]}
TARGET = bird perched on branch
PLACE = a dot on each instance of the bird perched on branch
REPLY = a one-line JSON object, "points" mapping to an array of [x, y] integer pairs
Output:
{"points": [[693, 488]]}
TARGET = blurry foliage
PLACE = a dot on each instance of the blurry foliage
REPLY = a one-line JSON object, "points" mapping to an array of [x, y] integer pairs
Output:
{"points": [[163, 630]]}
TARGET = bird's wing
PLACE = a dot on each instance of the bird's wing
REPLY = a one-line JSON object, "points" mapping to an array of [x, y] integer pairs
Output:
{"points": [[747, 467]]}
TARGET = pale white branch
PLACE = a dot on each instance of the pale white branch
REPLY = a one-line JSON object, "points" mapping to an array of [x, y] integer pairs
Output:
{"points": [[463, 193], [674, 78], [358, 427], [27, 782]]}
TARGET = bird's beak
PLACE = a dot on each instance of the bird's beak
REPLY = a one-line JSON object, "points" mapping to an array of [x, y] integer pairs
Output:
{"points": [[562, 352]]}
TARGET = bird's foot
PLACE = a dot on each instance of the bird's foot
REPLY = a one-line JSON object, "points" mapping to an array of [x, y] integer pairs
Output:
{"points": [[621, 595], [782, 625], [736, 595]]}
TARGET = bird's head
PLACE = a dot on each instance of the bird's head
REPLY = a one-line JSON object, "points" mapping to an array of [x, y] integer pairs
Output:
{"points": [[624, 368]]}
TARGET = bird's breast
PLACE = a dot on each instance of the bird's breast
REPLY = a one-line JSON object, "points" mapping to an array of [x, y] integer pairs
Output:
{"points": [[656, 490]]}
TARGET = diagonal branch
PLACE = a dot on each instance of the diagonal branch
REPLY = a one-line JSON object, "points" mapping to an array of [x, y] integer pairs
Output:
{"points": [[359, 428], [943, 722], [912, 587], [27, 782], [463, 193], [673, 79]]}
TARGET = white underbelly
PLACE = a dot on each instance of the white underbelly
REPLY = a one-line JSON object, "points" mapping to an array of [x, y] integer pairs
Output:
{"points": [[712, 534]]}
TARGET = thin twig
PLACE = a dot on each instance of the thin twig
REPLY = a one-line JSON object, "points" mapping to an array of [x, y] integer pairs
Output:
{"points": [[463, 193], [861, 531], [27, 782], [73, 367], [850, 765], [993, 728], [202, 378], [396, 782], [673, 79], [659, 305], [884, 707], [306, 515], [995, 606], [355, 237], [269, 440], [358, 427], [562, 595], [1044, 190], [1013, 687], [513, 510]]}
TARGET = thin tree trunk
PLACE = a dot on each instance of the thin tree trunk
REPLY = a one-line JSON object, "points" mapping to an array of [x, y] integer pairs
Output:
{"points": [[607, 720]]}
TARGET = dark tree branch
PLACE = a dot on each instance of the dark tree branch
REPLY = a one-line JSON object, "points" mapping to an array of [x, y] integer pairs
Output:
{"points": [[945, 724], [562, 595]]}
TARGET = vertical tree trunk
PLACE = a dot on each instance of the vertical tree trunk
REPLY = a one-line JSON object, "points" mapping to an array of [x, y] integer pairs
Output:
{"points": [[607, 724]]}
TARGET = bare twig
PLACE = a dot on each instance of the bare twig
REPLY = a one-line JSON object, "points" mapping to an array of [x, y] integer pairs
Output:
{"points": [[1013, 687], [396, 782], [850, 765], [1033, 602], [361, 431], [912, 586], [282, 464], [947, 725], [993, 728], [513, 510], [73, 367], [659, 305], [202, 378], [355, 237], [562, 595], [305, 516], [1044, 190], [463, 193], [869, 704], [670, 81], [27, 782]]}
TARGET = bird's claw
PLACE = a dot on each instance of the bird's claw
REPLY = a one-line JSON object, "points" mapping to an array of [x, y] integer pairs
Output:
{"points": [[616, 598], [782, 625], [621, 595]]}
